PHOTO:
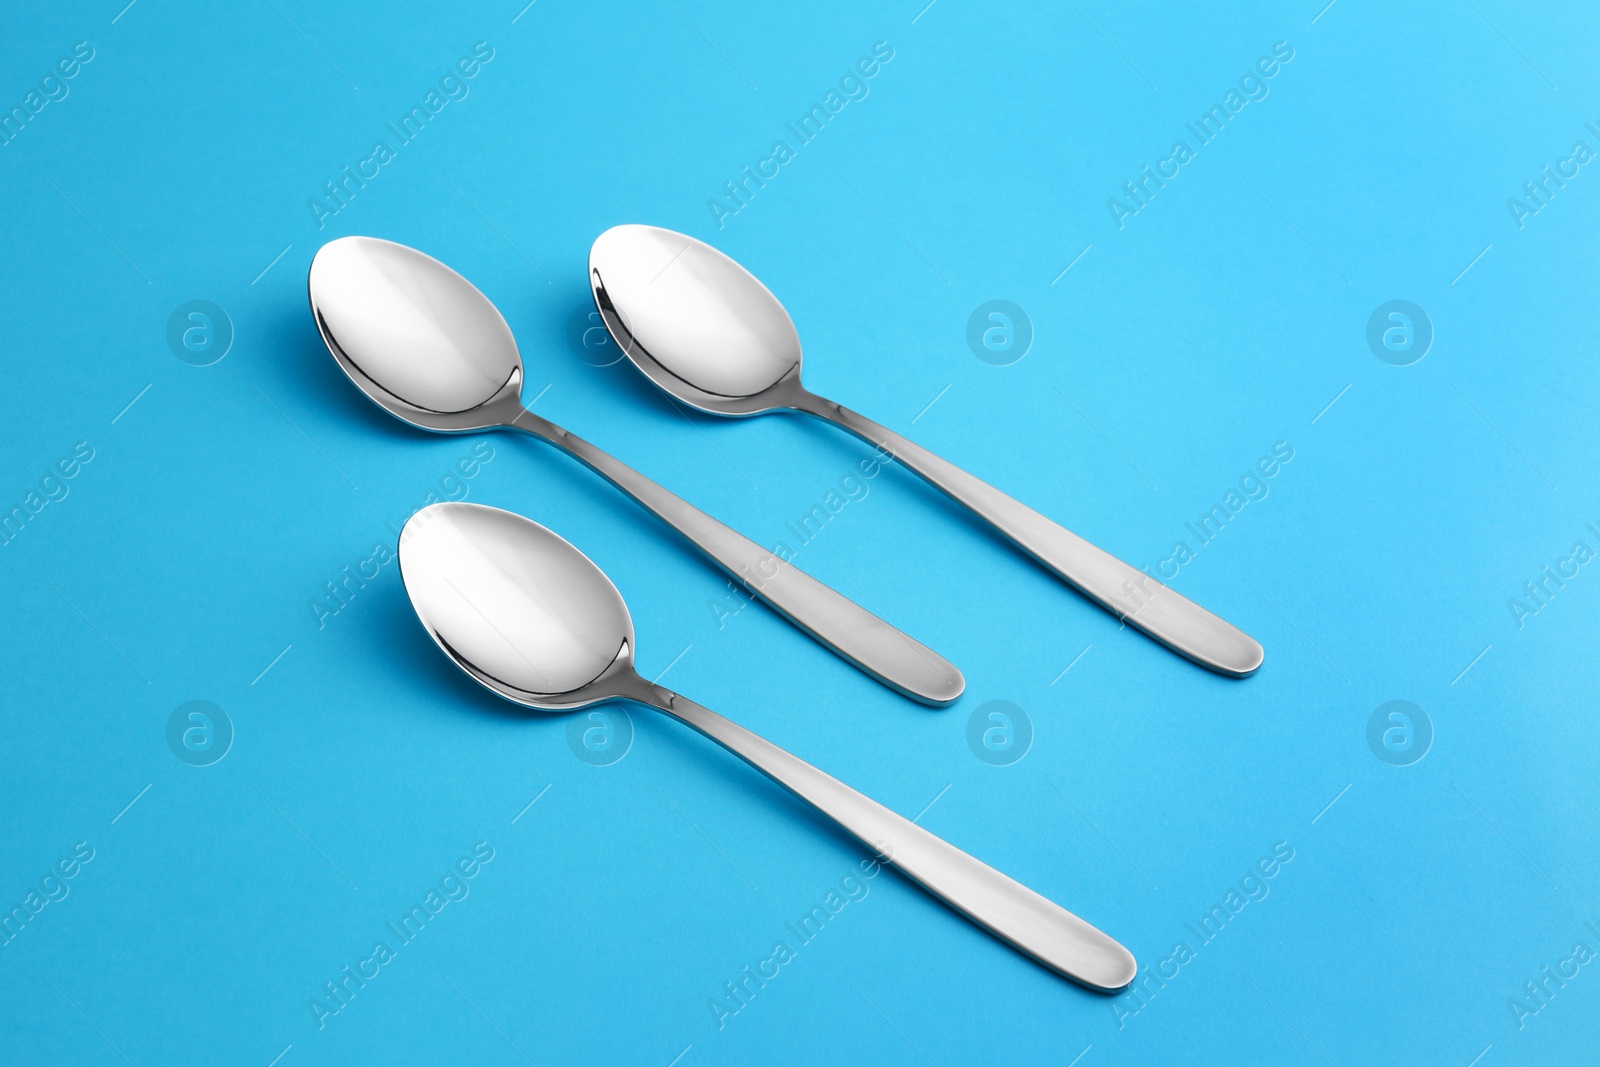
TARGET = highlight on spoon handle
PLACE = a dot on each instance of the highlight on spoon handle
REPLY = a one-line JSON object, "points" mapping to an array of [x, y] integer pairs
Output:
{"points": [[1130, 594], [1028, 922], [892, 657]]}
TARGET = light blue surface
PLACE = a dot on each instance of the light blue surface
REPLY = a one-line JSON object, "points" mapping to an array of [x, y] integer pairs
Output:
{"points": [[1227, 315]]}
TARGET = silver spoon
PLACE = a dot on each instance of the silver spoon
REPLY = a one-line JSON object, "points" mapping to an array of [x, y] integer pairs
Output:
{"points": [[535, 621], [426, 346], [709, 333]]}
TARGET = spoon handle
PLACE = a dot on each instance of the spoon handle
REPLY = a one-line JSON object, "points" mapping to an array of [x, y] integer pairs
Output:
{"points": [[1128, 593], [1028, 922], [892, 657]]}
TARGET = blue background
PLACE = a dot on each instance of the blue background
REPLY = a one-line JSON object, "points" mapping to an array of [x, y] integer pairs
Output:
{"points": [[1221, 319]]}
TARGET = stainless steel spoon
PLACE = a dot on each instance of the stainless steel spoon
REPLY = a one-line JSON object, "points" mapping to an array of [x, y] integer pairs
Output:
{"points": [[533, 620], [708, 332], [426, 346]]}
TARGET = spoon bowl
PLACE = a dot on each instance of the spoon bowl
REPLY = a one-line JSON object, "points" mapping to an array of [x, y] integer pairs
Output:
{"points": [[516, 607], [532, 619], [418, 339], [695, 322]]}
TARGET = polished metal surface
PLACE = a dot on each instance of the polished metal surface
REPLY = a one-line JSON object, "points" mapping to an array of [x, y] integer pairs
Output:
{"points": [[425, 345], [707, 332], [533, 620]]}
